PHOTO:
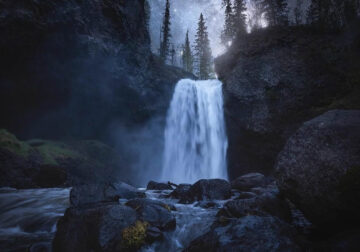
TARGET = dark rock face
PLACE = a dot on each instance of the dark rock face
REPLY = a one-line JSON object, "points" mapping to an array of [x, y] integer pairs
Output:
{"points": [[248, 181], [78, 67], [207, 189], [250, 233], [152, 185], [319, 169], [274, 80]]}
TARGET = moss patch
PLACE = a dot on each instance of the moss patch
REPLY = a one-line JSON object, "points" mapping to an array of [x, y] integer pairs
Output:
{"points": [[10, 142], [134, 237], [51, 152]]}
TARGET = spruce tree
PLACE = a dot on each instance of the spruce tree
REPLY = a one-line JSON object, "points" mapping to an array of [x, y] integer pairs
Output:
{"points": [[276, 12], [202, 50], [147, 11], [228, 33], [239, 16], [187, 57], [334, 14], [298, 12], [173, 55], [166, 35]]}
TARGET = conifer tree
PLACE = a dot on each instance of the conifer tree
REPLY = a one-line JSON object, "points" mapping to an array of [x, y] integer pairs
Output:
{"points": [[298, 12], [173, 55], [228, 33], [239, 16], [166, 35], [147, 10], [276, 12], [187, 57], [202, 50]]}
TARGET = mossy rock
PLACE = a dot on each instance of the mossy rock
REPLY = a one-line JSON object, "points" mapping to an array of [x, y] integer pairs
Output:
{"points": [[52, 152], [134, 237], [10, 142]]}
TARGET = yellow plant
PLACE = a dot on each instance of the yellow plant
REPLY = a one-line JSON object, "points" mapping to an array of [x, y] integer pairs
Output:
{"points": [[133, 237]]}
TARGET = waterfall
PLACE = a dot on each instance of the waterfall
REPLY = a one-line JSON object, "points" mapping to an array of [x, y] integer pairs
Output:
{"points": [[195, 137]]}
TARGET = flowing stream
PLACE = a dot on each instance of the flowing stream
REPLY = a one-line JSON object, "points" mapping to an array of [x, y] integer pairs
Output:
{"points": [[195, 136], [30, 216]]}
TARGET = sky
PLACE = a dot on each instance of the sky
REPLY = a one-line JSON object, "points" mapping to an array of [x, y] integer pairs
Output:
{"points": [[185, 15]]}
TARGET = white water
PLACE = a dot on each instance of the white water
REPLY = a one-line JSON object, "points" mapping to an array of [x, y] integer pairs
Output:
{"points": [[30, 216], [195, 136]]}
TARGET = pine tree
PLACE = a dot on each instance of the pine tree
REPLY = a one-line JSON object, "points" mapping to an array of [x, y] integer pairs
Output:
{"points": [[166, 35], [173, 55], [257, 13], [298, 12], [239, 16], [147, 10], [276, 12], [333, 14], [187, 57], [228, 33], [202, 50]]}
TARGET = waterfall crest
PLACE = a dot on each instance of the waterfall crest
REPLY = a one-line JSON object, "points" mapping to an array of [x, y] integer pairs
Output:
{"points": [[195, 137]]}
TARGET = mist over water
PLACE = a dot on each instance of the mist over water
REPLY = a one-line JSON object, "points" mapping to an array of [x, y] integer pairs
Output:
{"points": [[195, 137]]}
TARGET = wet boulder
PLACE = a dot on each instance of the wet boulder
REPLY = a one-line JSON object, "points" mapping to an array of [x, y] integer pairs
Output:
{"points": [[208, 189], [319, 169], [269, 203], [99, 228], [250, 233], [180, 191], [95, 193], [156, 213], [248, 181], [152, 185]]}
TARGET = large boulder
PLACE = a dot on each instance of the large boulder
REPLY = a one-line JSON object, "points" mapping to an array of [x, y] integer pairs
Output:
{"points": [[96, 193], [180, 191], [156, 213], [248, 181], [207, 189], [319, 169], [93, 229], [267, 203], [277, 78], [152, 185], [250, 233]]}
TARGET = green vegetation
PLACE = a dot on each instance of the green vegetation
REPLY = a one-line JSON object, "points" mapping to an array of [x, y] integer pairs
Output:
{"points": [[10, 142], [51, 152], [133, 237]]}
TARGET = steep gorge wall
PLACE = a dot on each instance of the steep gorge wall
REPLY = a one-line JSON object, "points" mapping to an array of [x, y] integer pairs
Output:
{"points": [[77, 68], [274, 80]]}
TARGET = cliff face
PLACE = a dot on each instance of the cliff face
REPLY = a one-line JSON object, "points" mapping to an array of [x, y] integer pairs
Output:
{"points": [[74, 68], [274, 80]]}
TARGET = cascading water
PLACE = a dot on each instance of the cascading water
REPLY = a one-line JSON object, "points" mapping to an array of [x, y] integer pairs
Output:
{"points": [[195, 136]]}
